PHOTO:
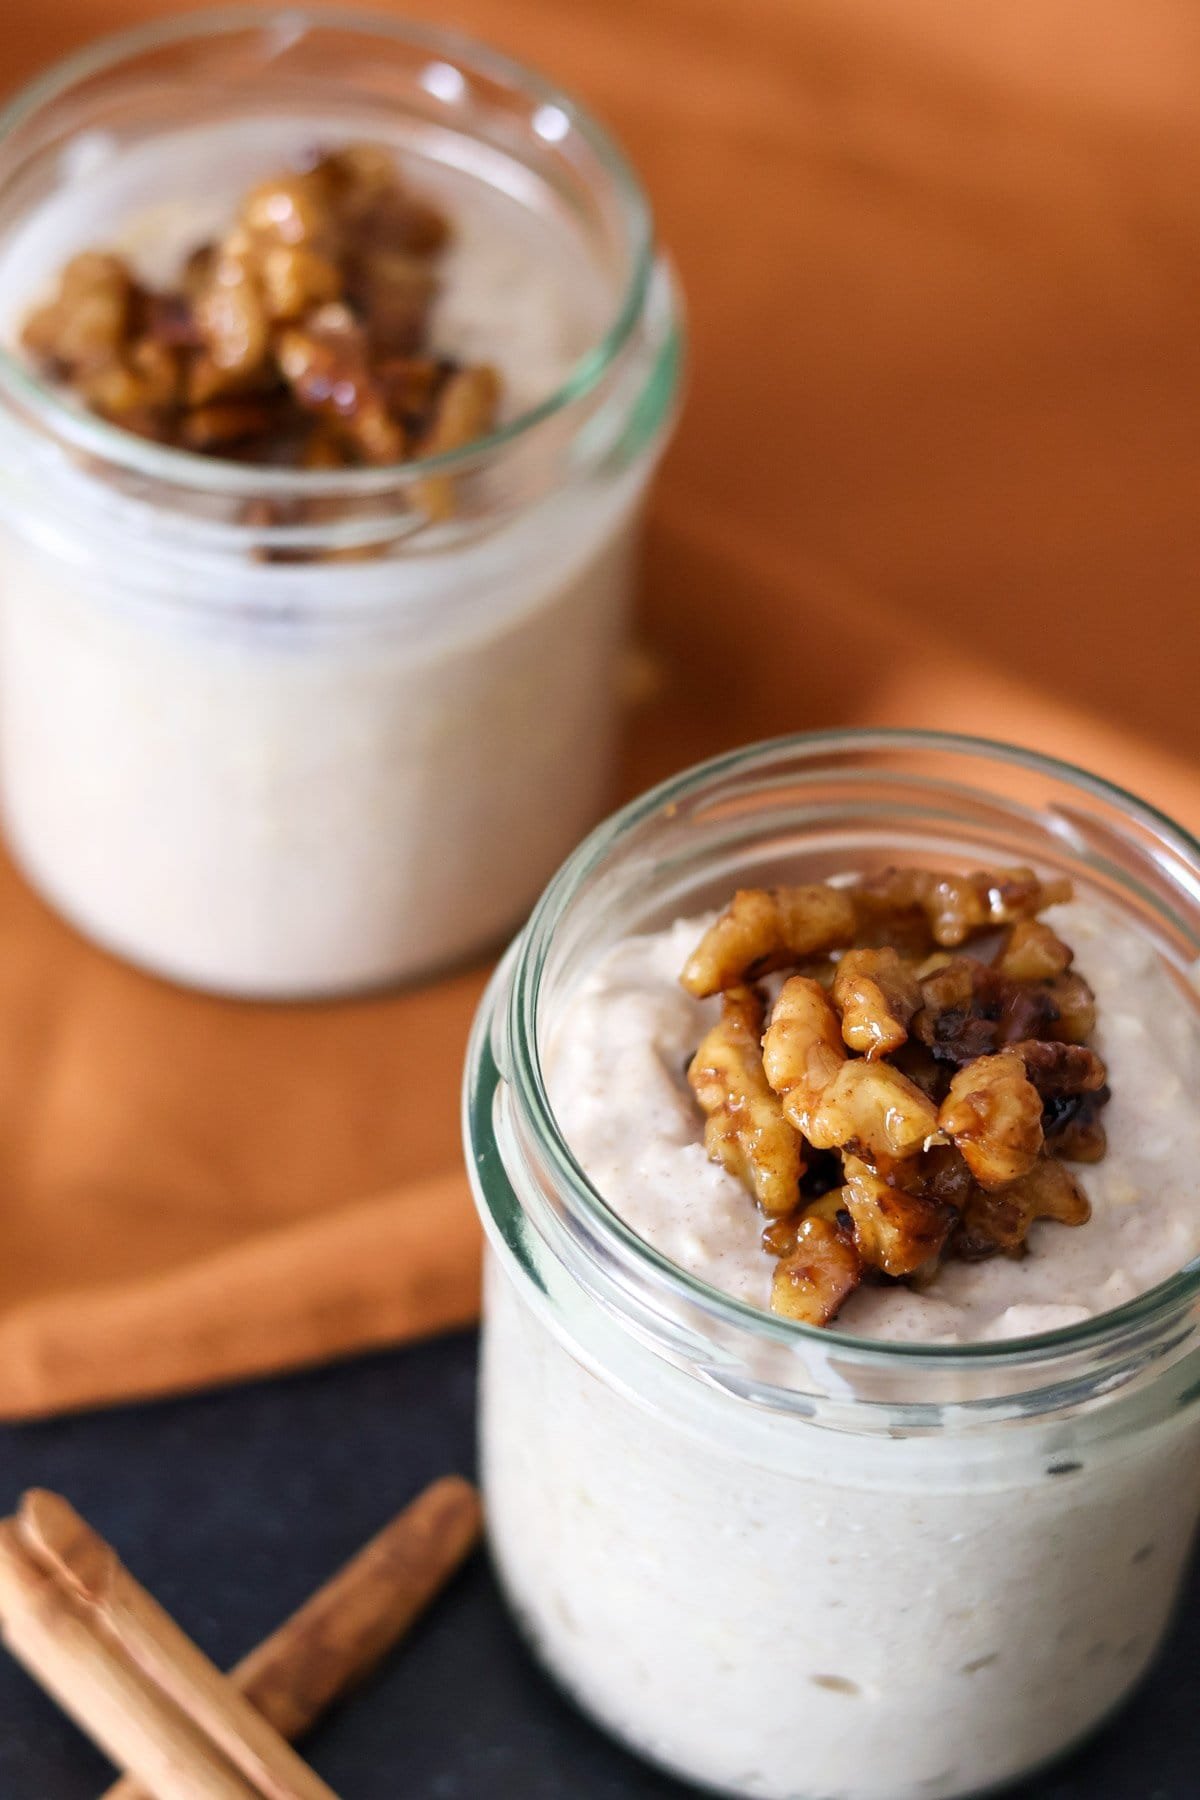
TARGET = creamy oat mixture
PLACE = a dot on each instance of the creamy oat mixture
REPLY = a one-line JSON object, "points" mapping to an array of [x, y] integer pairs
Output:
{"points": [[826, 1604], [785, 1612], [616, 1076]]}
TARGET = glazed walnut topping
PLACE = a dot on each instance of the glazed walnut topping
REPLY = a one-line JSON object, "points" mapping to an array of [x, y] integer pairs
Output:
{"points": [[902, 1101], [301, 339]]}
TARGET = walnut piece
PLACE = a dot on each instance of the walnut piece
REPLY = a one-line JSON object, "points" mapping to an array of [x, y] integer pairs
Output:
{"points": [[895, 1230], [816, 1277], [1001, 1220], [467, 411], [958, 907], [993, 1113], [877, 994], [1073, 1126], [325, 363], [969, 1009], [768, 928], [88, 321], [871, 1110], [802, 1048], [746, 1131], [1033, 952], [1056, 1068], [1075, 1005]]}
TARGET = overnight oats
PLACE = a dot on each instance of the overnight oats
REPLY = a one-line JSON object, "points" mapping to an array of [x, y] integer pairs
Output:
{"points": [[336, 361], [834, 1124]]}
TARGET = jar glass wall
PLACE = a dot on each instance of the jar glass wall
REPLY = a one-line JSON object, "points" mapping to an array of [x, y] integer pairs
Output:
{"points": [[285, 732], [786, 1562]]}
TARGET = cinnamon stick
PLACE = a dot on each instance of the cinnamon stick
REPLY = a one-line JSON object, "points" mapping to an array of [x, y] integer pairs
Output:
{"points": [[78, 1559], [51, 1633], [338, 1636]]}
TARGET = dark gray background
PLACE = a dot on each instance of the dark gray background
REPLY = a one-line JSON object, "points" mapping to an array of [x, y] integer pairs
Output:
{"points": [[234, 1506]]}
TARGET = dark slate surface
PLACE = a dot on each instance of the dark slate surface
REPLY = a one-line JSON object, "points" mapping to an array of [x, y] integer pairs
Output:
{"points": [[234, 1506]]}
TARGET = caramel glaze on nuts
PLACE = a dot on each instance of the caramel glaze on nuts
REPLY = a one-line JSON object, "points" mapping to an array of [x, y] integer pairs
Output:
{"points": [[300, 340], [902, 1102]]}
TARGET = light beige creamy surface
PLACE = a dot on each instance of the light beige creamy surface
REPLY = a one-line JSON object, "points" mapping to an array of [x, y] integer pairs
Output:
{"points": [[616, 1075]]}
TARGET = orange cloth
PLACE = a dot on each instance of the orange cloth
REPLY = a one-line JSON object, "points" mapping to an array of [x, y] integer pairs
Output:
{"points": [[939, 466]]}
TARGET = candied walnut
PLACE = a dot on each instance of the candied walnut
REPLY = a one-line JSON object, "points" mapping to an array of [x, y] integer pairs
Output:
{"points": [[145, 380], [971, 1009], [325, 364], [779, 1235], [950, 985], [1033, 952], [768, 928], [1001, 1221], [1075, 1006], [293, 279], [466, 410], [993, 1113], [204, 381], [1058, 1068], [88, 320], [933, 1096], [871, 1110], [802, 1048], [958, 907], [1073, 1128], [892, 898], [944, 1176], [225, 422], [410, 385], [230, 311], [918, 1062], [746, 1130], [292, 207], [169, 320], [877, 995], [818, 1274], [196, 272], [895, 1229], [375, 206], [322, 449], [393, 292]]}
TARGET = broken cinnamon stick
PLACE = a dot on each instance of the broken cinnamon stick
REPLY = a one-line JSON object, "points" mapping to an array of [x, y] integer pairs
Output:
{"points": [[89, 1570], [337, 1637], [51, 1634]]}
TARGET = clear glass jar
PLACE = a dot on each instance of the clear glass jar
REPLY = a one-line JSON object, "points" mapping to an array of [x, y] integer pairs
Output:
{"points": [[348, 746], [787, 1562]]}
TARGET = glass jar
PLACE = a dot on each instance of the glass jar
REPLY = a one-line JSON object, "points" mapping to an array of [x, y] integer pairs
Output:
{"points": [[278, 732], [786, 1562]]}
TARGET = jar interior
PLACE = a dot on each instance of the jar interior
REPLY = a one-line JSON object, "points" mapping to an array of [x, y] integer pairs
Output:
{"points": [[812, 808], [145, 143], [841, 805]]}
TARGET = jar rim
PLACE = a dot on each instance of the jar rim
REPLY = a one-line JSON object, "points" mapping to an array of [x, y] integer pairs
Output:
{"points": [[1157, 1305], [188, 469]]}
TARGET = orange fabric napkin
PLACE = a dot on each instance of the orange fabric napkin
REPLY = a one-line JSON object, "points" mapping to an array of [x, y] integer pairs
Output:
{"points": [[939, 467]]}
